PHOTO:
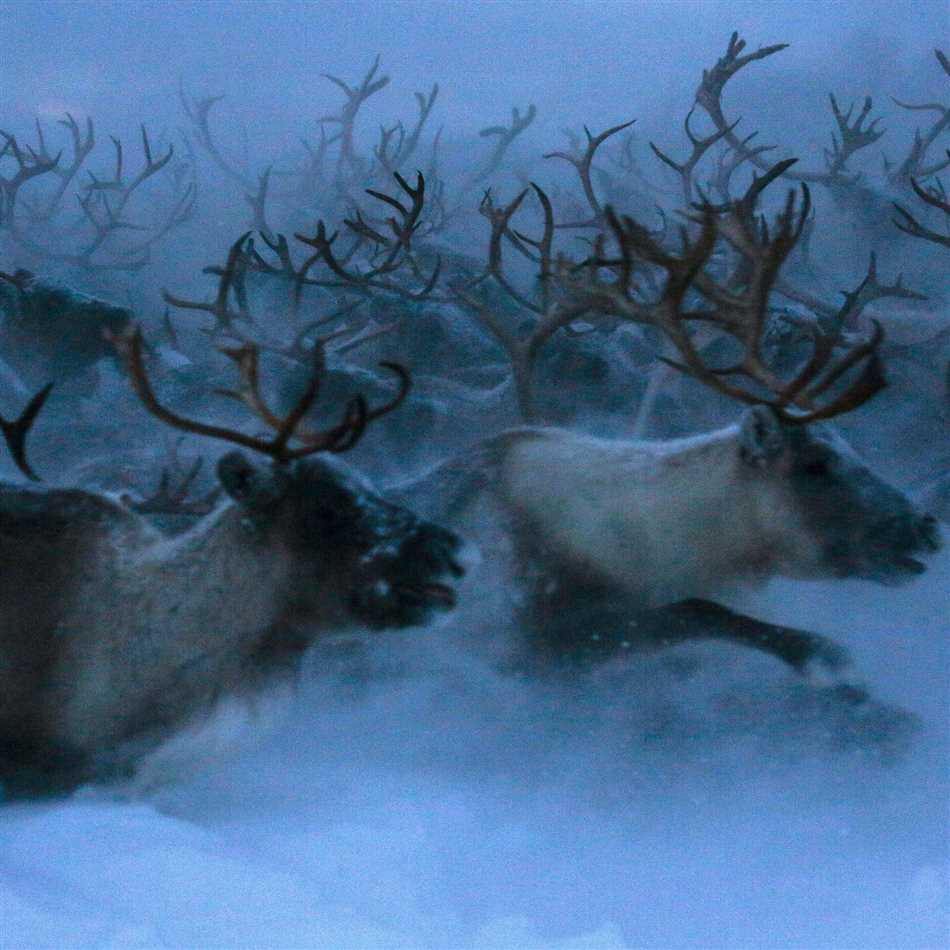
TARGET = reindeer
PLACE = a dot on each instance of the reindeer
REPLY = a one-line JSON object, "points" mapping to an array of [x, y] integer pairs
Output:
{"points": [[114, 636], [620, 543]]}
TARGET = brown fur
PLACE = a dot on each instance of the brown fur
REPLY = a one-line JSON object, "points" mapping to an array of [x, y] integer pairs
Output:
{"points": [[112, 632]]}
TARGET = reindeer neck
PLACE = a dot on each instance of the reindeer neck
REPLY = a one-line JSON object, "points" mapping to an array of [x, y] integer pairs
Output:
{"points": [[224, 567], [165, 626]]}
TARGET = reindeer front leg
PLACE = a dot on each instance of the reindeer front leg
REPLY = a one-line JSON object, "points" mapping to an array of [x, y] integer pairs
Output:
{"points": [[697, 619], [590, 623]]}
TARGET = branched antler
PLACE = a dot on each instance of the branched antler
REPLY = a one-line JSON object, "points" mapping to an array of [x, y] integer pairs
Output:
{"points": [[505, 135], [103, 202], [551, 310], [82, 144], [346, 118], [230, 278], [30, 164], [582, 163], [391, 252], [913, 165], [867, 292], [396, 248], [852, 135], [199, 111], [935, 197], [701, 145], [851, 138], [172, 496], [738, 309], [16, 430], [847, 316], [395, 146], [339, 438]]}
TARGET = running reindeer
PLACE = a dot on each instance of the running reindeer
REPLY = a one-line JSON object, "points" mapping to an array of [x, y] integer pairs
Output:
{"points": [[114, 636], [618, 543]]}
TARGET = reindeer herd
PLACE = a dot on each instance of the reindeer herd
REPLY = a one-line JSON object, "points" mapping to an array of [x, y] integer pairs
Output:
{"points": [[508, 394]]}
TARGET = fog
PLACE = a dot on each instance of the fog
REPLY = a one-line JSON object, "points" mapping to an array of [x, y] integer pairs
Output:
{"points": [[583, 63], [407, 793]]}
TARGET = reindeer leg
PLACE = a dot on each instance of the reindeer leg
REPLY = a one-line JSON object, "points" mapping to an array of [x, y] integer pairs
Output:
{"points": [[850, 718], [703, 619], [591, 624], [40, 773]]}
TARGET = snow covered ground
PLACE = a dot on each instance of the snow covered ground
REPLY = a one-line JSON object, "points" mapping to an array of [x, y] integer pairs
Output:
{"points": [[440, 805]]}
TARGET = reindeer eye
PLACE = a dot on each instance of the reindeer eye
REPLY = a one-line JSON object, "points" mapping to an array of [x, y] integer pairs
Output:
{"points": [[817, 468]]}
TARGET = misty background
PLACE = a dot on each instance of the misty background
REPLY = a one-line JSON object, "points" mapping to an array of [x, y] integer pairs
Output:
{"points": [[580, 62], [451, 806]]}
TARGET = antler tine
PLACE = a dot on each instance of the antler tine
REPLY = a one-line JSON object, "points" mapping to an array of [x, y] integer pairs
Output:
{"points": [[230, 278], [741, 311], [931, 197], [936, 197], [349, 429], [341, 437], [16, 430], [819, 374], [348, 432], [356, 418], [868, 384], [405, 384], [246, 357], [868, 349], [129, 346]]}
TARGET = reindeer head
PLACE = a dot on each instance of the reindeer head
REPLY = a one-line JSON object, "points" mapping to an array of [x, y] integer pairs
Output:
{"points": [[339, 536], [821, 512], [826, 511], [347, 545]]}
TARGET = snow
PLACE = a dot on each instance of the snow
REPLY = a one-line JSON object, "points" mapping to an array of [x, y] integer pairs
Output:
{"points": [[435, 803]]}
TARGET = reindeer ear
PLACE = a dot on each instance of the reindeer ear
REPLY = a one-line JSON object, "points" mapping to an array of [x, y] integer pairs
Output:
{"points": [[255, 487], [762, 437]]}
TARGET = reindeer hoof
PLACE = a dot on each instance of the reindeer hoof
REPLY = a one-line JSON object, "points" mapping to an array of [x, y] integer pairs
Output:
{"points": [[859, 723], [849, 694], [823, 661]]}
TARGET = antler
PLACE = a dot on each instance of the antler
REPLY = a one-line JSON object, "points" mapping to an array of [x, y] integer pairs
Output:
{"points": [[913, 165], [739, 307], [30, 164], [172, 496], [102, 201], [936, 197], [505, 135], [16, 430], [346, 119], [551, 312], [701, 145], [344, 435], [398, 250], [851, 136], [582, 164], [198, 112]]}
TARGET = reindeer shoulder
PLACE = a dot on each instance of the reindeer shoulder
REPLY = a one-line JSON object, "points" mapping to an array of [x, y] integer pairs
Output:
{"points": [[63, 515]]}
